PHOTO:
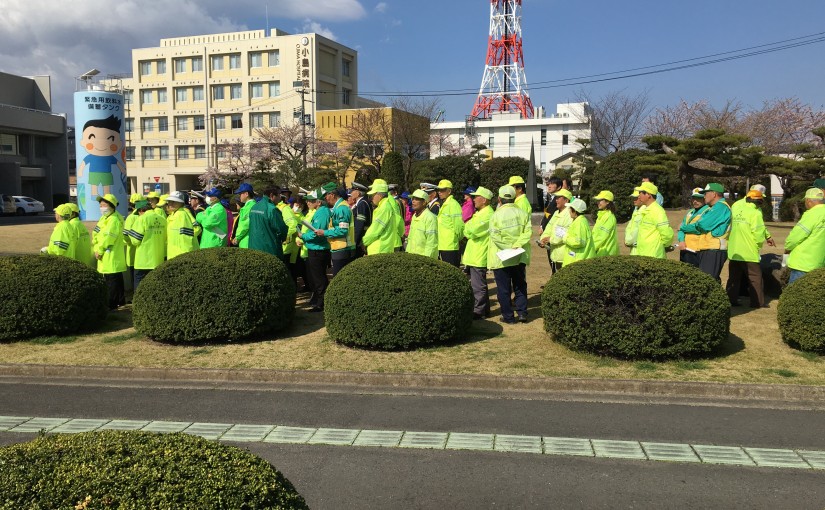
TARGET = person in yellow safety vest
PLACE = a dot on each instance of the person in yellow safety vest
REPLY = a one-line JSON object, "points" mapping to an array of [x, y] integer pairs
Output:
{"points": [[631, 233], [83, 241], [62, 240], [578, 240], [747, 235], [477, 232], [246, 196], [180, 232], [689, 244], [290, 244], [509, 230], [805, 244], [523, 203], [554, 232], [213, 221], [654, 235], [158, 202], [339, 232], [109, 249], [450, 224], [423, 236], [128, 223], [713, 229], [196, 226], [382, 234], [148, 236], [605, 240]]}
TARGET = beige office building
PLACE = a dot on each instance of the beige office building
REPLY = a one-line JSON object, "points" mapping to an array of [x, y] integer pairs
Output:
{"points": [[190, 95]]}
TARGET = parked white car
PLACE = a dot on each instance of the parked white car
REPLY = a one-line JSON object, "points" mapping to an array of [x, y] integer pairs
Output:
{"points": [[27, 205]]}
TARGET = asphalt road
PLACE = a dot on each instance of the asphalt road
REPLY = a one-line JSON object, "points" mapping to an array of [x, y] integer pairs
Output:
{"points": [[365, 477]]}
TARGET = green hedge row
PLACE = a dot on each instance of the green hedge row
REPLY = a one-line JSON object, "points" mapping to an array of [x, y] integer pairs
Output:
{"points": [[801, 312]]}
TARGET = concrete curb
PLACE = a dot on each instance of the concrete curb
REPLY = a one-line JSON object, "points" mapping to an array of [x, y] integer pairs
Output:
{"points": [[429, 382]]}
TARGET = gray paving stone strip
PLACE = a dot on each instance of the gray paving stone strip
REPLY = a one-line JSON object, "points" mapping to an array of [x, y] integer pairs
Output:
{"points": [[247, 433], [618, 449], [518, 444], [337, 437], [296, 435], [426, 440], [769, 457], [9, 422], [166, 426], [211, 431], [38, 424], [670, 452], [125, 425], [459, 441], [383, 438], [77, 426], [568, 446], [815, 459], [733, 455]]}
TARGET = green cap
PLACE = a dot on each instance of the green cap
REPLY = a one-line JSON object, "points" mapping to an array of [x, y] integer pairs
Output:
{"points": [[820, 183], [329, 187], [140, 204], [715, 187]]}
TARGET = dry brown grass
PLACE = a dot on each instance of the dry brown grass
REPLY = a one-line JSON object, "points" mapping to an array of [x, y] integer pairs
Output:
{"points": [[754, 353]]}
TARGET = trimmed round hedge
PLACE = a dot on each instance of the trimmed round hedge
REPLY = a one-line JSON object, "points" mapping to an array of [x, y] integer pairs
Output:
{"points": [[398, 301], [801, 313], [114, 469], [48, 295], [217, 294], [636, 308]]}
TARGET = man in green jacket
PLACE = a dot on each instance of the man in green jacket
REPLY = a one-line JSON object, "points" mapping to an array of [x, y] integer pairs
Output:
{"points": [[423, 236], [382, 234], [318, 254], [806, 242], [339, 232], [747, 234], [654, 234], [713, 229], [509, 230], [477, 232], [450, 224], [267, 229], [246, 196], [110, 250], [148, 236], [213, 221]]}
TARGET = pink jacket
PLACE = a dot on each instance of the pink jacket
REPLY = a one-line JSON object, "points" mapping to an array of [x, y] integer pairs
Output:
{"points": [[467, 210]]}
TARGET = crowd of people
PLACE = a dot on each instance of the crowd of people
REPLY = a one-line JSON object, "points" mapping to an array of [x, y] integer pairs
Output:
{"points": [[316, 234]]}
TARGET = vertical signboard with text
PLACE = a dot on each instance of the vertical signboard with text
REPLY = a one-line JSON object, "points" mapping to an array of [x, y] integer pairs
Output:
{"points": [[100, 151]]}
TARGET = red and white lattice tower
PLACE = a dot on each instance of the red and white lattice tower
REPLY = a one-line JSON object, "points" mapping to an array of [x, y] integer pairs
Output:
{"points": [[504, 85]]}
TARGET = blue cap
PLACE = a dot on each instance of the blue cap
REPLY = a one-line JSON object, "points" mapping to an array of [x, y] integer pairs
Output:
{"points": [[244, 188], [214, 192], [291, 200], [470, 189], [225, 203], [406, 194]]}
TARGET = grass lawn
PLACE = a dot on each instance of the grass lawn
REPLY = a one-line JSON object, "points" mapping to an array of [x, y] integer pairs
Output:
{"points": [[754, 353]]}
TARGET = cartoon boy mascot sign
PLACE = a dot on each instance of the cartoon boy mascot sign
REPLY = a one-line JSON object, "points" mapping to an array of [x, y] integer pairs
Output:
{"points": [[101, 139]]}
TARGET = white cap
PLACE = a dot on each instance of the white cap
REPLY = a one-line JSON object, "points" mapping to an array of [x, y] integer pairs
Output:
{"points": [[177, 196]]}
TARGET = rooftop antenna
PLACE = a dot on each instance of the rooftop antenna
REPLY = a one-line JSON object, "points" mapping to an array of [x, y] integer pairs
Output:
{"points": [[266, 7]]}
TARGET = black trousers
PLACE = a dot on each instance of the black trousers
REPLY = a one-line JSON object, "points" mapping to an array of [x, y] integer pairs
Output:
{"points": [[117, 294], [140, 274], [753, 272], [451, 257], [316, 270], [711, 262], [511, 280]]}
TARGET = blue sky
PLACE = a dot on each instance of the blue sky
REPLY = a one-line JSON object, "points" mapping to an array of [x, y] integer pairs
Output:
{"points": [[437, 45]]}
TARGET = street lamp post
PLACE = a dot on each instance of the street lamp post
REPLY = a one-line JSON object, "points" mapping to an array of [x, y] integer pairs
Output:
{"points": [[301, 90]]}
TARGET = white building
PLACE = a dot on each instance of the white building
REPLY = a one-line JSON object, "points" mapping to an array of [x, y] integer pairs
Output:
{"points": [[508, 135]]}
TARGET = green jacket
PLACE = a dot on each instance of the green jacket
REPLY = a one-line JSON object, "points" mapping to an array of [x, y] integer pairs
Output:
{"points": [[561, 219], [83, 243], [301, 243], [713, 226], [477, 232], [108, 242], [128, 224], [381, 236], [290, 247], [654, 232], [806, 242], [450, 225], [524, 204], [148, 237], [509, 228], [631, 233], [605, 240], [180, 234], [267, 229], [578, 241], [62, 242], [423, 236], [747, 233], [339, 232], [242, 230], [319, 219], [213, 221]]}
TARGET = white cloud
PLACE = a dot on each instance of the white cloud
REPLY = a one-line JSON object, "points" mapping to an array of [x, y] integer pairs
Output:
{"points": [[381, 7], [313, 26]]}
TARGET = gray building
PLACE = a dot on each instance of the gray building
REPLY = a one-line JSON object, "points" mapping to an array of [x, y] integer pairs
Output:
{"points": [[34, 151]]}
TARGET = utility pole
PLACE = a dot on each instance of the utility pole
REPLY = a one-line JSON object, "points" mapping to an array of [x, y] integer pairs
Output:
{"points": [[300, 85]]}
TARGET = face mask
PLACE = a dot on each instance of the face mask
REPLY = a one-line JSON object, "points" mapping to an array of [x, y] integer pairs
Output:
{"points": [[211, 200], [104, 210]]}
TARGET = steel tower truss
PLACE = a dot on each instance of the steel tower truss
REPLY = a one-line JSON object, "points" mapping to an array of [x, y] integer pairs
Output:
{"points": [[504, 85]]}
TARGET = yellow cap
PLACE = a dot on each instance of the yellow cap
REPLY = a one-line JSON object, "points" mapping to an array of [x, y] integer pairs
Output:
{"points": [[564, 193], [515, 180], [63, 210], [75, 209], [153, 194], [136, 197], [378, 186], [444, 184], [605, 195], [109, 198], [483, 192], [420, 194], [647, 187], [162, 200], [635, 193], [815, 194], [507, 192]]}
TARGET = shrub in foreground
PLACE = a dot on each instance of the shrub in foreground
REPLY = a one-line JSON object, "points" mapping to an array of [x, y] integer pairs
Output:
{"points": [[636, 308], [219, 294], [113, 469], [801, 312], [398, 301], [48, 295]]}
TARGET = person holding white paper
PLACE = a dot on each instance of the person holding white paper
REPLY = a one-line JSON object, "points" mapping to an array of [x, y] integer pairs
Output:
{"points": [[556, 229], [509, 229]]}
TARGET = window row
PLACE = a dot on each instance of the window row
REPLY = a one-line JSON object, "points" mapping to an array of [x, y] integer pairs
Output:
{"points": [[197, 122], [257, 90], [161, 152], [271, 58]]}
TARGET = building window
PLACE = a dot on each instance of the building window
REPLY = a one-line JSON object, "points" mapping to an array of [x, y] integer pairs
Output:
{"points": [[197, 93], [146, 97], [197, 64], [274, 89], [198, 123], [220, 122], [145, 68], [564, 139], [148, 153], [274, 58], [274, 119], [129, 125], [163, 124], [237, 121], [220, 153], [180, 94], [200, 152], [235, 61], [161, 67], [235, 91], [128, 96], [256, 90], [345, 67], [147, 125], [256, 59], [8, 144], [491, 141], [217, 92], [180, 65], [130, 153], [217, 62], [182, 123], [164, 152], [161, 95], [256, 120], [512, 137], [543, 165], [345, 96], [183, 152], [565, 127], [544, 136]]}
